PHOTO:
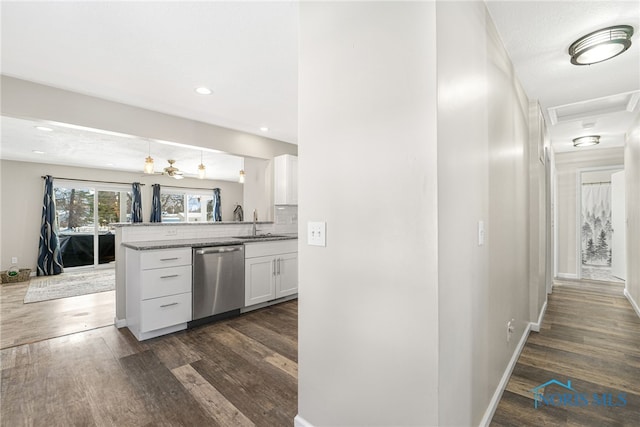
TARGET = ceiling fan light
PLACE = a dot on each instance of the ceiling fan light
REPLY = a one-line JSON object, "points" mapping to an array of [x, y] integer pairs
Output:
{"points": [[148, 165], [601, 45], [241, 178], [585, 141]]}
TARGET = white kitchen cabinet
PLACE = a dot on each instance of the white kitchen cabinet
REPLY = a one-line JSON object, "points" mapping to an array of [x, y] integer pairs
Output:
{"points": [[158, 291], [285, 180], [271, 271]]}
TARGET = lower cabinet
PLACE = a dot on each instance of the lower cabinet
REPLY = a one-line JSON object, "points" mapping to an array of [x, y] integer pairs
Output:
{"points": [[158, 291], [271, 271]]}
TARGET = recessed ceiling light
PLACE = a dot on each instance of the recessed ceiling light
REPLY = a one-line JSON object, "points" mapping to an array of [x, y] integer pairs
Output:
{"points": [[585, 141], [37, 152], [601, 45], [204, 90], [44, 128], [264, 129]]}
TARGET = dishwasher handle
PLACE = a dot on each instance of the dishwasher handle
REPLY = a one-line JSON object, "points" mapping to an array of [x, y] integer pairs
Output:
{"points": [[219, 250]]}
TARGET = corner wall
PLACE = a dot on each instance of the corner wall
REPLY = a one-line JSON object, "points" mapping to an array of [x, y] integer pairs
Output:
{"points": [[368, 301], [483, 175], [632, 185]]}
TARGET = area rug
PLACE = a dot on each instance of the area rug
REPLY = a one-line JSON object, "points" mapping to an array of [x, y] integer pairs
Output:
{"points": [[70, 285]]}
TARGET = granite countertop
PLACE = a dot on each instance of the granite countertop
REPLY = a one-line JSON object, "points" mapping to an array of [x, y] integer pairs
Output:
{"points": [[204, 242], [166, 224]]}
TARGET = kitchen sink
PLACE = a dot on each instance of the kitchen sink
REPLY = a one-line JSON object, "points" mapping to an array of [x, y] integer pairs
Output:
{"points": [[259, 236]]}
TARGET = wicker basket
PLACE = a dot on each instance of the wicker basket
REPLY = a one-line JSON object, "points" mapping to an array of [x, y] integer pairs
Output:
{"points": [[22, 276]]}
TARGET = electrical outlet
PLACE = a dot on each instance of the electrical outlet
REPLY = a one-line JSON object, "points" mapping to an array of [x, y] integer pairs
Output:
{"points": [[14, 260], [317, 233], [171, 233], [510, 328]]}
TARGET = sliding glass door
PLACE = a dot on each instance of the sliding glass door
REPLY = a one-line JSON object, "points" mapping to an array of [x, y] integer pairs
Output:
{"points": [[85, 213]]}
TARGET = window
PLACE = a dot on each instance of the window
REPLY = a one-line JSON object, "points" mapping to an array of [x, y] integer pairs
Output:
{"points": [[84, 212], [186, 205]]}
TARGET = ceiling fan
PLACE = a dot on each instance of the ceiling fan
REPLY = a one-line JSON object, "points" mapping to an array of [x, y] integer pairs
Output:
{"points": [[172, 171]]}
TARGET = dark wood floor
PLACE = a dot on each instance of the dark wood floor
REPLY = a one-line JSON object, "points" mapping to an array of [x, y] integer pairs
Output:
{"points": [[238, 372], [591, 336]]}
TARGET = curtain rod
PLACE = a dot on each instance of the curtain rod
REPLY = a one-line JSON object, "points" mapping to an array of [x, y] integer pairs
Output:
{"points": [[89, 180], [183, 188], [597, 183]]}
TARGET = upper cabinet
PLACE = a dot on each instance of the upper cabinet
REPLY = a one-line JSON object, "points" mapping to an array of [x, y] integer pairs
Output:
{"points": [[286, 180]]}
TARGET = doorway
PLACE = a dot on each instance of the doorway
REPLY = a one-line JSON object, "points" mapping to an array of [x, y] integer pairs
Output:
{"points": [[595, 227]]}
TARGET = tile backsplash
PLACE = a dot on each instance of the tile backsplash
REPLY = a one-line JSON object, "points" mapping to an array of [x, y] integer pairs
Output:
{"points": [[286, 219]]}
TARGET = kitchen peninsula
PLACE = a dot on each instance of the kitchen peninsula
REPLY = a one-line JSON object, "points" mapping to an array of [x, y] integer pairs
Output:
{"points": [[154, 269]]}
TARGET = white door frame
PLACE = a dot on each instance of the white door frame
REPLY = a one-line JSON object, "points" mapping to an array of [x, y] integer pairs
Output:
{"points": [[579, 173]]}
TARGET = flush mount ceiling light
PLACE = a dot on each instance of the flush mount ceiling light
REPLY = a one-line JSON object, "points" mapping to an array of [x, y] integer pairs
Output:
{"points": [[148, 162], [203, 90], [585, 141], [601, 45], [264, 129], [202, 172], [44, 128]]}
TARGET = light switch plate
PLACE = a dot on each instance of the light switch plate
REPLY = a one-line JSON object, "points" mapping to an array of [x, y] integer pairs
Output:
{"points": [[316, 233]]}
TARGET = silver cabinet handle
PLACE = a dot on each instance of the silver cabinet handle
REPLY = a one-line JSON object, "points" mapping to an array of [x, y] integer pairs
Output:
{"points": [[168, 305], [274, 266], [169, 259], [170, 276], [279, 266]]}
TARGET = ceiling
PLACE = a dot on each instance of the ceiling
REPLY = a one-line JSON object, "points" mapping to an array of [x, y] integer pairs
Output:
{"points": [[154, 54], [599, 99]]}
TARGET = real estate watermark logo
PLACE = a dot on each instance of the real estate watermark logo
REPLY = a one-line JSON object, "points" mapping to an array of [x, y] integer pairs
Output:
{"points": [[570, 397]]}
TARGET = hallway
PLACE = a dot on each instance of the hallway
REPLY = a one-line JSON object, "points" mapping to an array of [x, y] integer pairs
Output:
{"points": [[590, 336]]}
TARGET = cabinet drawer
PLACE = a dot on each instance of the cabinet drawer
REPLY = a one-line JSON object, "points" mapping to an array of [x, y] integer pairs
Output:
{"points": [[252, 250], [163, 312], [165, 258], [165, 281]]}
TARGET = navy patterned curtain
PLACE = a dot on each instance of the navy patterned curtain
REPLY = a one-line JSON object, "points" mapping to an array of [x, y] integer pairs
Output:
{"points": [[49, 255], [136, 203], [217, 209], [156, 206]]}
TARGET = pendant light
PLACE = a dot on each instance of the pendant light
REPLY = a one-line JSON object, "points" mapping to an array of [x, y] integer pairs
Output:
{"points": [[148, 162], [241, 179], [202, 172]]}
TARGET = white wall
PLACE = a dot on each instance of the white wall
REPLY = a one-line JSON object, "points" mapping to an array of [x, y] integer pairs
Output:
{"points": [[21, 193], [483, 175], [632, 186], [368, 301], [567, 167]]}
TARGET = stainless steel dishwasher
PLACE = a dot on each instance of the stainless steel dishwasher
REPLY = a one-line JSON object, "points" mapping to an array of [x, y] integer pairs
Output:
{"points": [[218, 281]]}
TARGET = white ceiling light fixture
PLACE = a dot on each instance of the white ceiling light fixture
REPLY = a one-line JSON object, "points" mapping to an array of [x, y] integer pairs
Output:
{"points": [[601, 45], [241, 178], [37, 152], [264, 129], [44, 128], [203, 90], [148, 162], [585, 141], [202, 171]]}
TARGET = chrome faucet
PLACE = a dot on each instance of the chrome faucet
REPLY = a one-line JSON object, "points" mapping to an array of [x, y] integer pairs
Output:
{"points": [[254, 231]]}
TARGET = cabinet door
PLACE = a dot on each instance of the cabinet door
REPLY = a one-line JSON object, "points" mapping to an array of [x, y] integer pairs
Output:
{"points": [[287, 274], [259, 279], [286, 180]]}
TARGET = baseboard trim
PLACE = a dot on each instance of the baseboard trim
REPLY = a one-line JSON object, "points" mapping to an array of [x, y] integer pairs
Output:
{"points": [[298, 421], [571, 276], [634, 304], [493, 405], [535, 327], [119, 323]]}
